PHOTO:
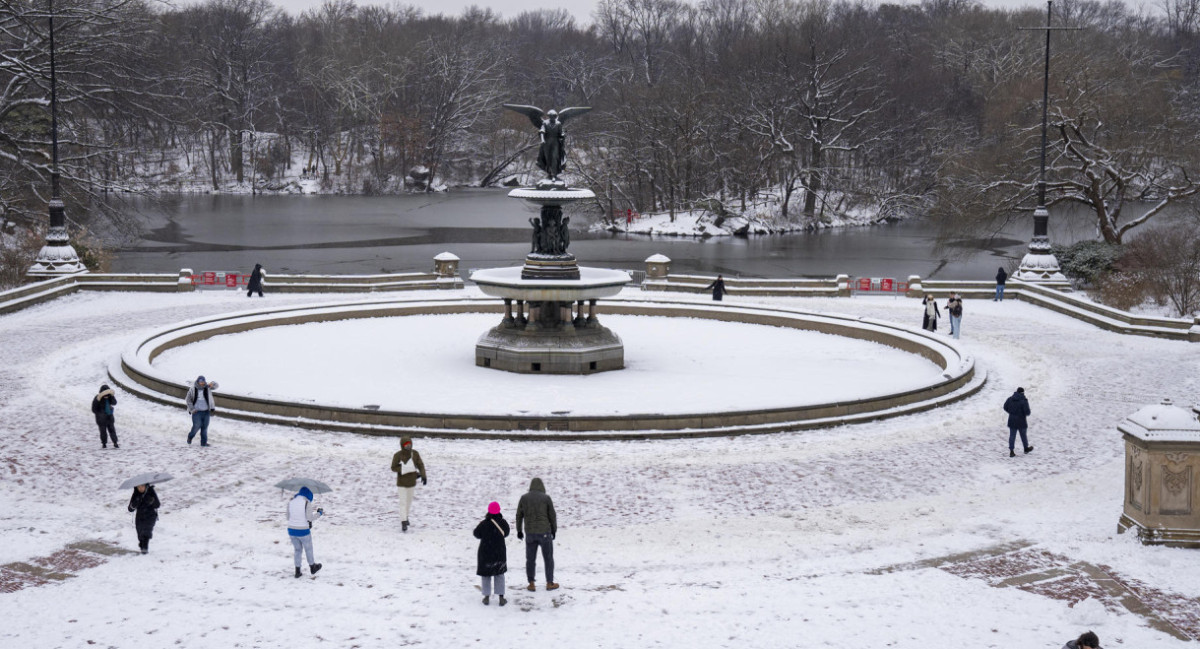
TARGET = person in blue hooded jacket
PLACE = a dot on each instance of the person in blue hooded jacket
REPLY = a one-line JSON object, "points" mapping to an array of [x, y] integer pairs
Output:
{"points": [[300, 517]]}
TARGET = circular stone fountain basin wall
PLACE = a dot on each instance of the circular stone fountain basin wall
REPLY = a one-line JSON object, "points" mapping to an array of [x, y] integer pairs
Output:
{"points": [[137, 372]]}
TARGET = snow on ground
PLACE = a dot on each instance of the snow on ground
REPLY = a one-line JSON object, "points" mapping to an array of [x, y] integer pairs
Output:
{"points": [[673, 365], [810, 539]]}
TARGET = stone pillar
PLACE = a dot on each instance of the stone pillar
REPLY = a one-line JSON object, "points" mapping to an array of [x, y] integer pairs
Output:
{"points": [[1039, 265], [522, 321], [843, 285], [580, 319], [445, 266], [657, 267], [1162, 476], [591, 319], [184, 283], [914, 287], [508, 320]]}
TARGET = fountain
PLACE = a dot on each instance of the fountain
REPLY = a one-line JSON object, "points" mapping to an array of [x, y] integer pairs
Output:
{"points": [[550, 324]]}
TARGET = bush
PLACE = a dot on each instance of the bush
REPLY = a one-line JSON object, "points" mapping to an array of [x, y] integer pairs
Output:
{"points": [[1087, 261], [1167, 262]]}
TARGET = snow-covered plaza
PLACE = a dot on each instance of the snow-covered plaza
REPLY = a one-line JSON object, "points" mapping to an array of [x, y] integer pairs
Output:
{"points": [[918, 531]]}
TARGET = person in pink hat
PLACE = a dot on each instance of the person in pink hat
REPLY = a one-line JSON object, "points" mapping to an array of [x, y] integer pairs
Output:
{"points": [[493, 555]]}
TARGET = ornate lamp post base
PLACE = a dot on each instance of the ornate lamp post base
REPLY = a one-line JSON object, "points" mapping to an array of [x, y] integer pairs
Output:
{"points": [[57, 257], [1039, 265]]}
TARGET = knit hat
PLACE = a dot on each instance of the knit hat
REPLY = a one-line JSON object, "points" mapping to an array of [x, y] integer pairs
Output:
{"points": [[405, 441], [1021, 390], [200, 379], [493, 508]]}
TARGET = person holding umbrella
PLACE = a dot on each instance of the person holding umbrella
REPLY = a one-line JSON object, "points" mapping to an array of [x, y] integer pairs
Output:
{"points": [[300, 517], [145, 502]]}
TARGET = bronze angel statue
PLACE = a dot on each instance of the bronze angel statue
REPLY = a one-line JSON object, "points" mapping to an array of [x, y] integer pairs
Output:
{"points": [[553, 153]]}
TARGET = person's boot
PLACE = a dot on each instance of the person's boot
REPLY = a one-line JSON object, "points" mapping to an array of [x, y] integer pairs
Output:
{"points": [[298, 573], [1028, 450], [551, 586], [313, 568], [145, 550], [1012, 453], [503, 601], [403, 526], [486, 599], [531, 587]]}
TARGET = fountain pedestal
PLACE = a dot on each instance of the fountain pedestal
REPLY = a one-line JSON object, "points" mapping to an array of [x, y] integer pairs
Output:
{"points": [[550, 325]]}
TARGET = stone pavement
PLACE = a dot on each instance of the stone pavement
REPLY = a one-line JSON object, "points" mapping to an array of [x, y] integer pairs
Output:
{"points": [[63, 564], [1023, 565]]}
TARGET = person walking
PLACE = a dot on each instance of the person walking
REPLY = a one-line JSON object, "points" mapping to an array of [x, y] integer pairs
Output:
{"points": [[535, 516], [256, 280], [1017, 407], [300, 517], [408, 467], [1087, 640], [200, 405], [718, 288], [954, 306], [1001, 277], [145, 502], [493, 555], [929, 322], [102, 408]]}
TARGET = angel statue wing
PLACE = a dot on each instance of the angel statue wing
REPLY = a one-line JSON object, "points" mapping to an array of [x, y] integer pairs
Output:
{"points": [[574, 111], [532, 112]]}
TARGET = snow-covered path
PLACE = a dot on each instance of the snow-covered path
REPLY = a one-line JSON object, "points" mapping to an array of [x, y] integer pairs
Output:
{"points": [[773, 540]]}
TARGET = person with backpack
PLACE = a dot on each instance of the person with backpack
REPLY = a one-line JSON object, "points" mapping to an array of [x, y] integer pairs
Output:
{"points": [[492, 558], [102, 407], [200, 405], [954, 306], [300, 517]]}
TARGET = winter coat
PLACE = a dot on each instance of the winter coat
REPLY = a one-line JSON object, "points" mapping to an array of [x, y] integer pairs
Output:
{"points": [[256, 278], [408, 467], [1017, 407], [190, 399], [954, 307], [1071, 645], [493, 555], [718, 288], [536, 511], [929, 323], [1002, 277], [146, 505], [102, 405], [300, 514]]}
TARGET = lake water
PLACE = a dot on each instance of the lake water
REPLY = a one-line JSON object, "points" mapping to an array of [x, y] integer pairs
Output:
{"points": [[384, 234]]}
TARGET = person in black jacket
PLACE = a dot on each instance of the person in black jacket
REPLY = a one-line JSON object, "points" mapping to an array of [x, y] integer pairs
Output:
{"points": [[1001, 277], [102, 407], [255, 284], [145, 502], [718, 288], [1017, 407], [493, 555], [1088, 640]]}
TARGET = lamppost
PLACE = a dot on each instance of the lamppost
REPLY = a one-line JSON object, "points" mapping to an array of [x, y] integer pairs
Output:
{"points": [[57, 257], [1039, 264]]}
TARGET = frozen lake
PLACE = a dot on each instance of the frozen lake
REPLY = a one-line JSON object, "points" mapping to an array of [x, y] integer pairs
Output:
{"points": [[378, 234]]}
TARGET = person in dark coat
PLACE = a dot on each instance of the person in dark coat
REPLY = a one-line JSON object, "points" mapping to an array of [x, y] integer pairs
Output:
{"points": [[1088, 640], [535, 515], [1001, 277], [718, 288], [493, 555], [255, 284], [932, 313], [1017, 407], [102, 408], [145, 502]]}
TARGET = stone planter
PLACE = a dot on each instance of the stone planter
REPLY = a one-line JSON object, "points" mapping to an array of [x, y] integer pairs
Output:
{"points": [[1162, 463]]}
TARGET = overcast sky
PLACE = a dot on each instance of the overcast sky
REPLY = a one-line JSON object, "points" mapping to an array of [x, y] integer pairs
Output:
{"points": [[582, 9]]}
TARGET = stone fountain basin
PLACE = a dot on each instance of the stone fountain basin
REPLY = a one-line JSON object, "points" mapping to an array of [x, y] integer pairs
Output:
{"points": [[593, 284]]}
